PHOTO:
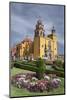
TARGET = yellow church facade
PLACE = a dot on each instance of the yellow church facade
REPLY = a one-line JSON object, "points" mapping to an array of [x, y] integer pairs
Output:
{"points": [[24, 49], [45, 46], [42, 46], [42, 49]]}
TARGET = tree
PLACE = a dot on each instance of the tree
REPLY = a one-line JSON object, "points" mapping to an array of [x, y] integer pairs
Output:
{"points": [[41, 68]]}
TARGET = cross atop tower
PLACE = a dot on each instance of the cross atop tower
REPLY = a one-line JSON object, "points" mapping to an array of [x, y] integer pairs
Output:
{"points": [[40, 20], [53, 30]]}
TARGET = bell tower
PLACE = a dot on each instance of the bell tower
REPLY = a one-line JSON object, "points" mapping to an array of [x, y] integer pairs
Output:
{"points": [[39, 40], [53, 37], [39, 30]]}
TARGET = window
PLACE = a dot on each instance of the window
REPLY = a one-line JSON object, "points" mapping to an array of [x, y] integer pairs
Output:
{"points": [[42, 46], [45, 55]]}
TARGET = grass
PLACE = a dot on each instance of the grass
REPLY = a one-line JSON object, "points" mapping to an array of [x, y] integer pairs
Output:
{"points": [[16, 92], [15, 71]]}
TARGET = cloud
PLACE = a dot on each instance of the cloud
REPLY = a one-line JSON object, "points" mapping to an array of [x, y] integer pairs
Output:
{"points": [[60, 48], [25, 16], [20, 25], [20, 28]]}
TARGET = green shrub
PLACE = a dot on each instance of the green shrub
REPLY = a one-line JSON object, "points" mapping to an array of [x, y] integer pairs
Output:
{"points": [[25, 67], [58, 73], [58, 63], [40, 68], [58, 68], [28, 63]]}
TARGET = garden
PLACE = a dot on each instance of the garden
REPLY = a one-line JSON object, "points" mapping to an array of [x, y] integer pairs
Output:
{"points": [[33, 78]]}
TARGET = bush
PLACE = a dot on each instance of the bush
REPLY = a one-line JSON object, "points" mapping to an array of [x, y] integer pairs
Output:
{"points": [[57, 68], [58, 73], [58, 63], [25, 66], [40, 68], [29, 63]]}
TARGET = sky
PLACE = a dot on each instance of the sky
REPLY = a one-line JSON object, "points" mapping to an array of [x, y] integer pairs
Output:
{"points": [[23, 18]]}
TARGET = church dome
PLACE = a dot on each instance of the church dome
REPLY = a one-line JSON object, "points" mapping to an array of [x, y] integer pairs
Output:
{"points": [[39, 22]]}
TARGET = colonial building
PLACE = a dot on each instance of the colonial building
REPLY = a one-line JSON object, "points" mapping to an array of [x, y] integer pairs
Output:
{"points": [[42, 46], [24, 50]]}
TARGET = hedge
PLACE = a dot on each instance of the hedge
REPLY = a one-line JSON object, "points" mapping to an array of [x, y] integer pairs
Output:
{"points": [[58, 68], [58, 73], [58, 63], [25, 66], [28, 63], [34, 69]]}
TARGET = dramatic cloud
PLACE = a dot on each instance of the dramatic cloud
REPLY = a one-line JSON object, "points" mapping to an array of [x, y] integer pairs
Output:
{"points": [[25, 16]]}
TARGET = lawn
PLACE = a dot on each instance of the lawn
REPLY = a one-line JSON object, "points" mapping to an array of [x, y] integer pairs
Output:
{"points": [[15, 92], [15, 71]]}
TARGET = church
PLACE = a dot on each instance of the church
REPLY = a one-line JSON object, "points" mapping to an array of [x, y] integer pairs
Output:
{"points": [[45, 46], [42, 46]]}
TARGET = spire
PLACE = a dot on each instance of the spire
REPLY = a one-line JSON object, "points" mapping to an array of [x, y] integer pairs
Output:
{"points": [[39, 21], [53, 30]]}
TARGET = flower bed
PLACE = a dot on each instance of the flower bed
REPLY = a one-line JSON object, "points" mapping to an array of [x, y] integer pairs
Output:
{"points": [[31, 83]]}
